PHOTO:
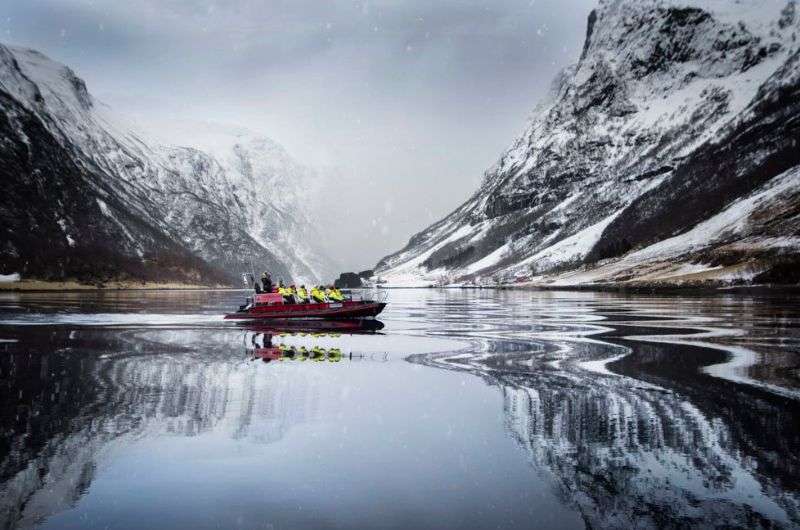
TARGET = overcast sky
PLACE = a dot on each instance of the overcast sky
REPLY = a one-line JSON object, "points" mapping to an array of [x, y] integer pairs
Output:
{"points": [[401, 105]]}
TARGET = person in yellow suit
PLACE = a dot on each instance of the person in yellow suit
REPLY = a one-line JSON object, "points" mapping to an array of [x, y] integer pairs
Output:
{"points": [[318, 295], [334, 294], [302, 294], [286, 293]]}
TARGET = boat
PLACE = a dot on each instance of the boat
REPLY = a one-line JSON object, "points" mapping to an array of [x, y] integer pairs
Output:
{"points": [[271, 306]]}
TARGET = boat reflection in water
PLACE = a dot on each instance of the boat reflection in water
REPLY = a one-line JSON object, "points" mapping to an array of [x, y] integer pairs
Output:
{"points": [[348, 326], [269, 341]]}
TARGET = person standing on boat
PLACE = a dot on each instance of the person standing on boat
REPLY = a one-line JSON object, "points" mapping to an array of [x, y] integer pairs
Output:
{"points": [[266, 282]]}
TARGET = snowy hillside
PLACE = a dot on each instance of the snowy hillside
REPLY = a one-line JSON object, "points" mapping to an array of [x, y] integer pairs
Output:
{"points": [[279, 194], [92, 197], [676, 112]]}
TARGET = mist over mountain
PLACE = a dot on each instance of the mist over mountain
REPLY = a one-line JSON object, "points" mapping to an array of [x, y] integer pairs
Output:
{"points": [[87, 196], [667, 155]]}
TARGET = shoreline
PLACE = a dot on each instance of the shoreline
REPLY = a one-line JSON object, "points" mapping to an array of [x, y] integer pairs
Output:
{"points": [[33, 286], [41, 286], [628, 288]]}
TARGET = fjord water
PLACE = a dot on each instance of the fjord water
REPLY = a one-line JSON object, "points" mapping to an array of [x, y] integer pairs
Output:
{"points": [[469, 409]]}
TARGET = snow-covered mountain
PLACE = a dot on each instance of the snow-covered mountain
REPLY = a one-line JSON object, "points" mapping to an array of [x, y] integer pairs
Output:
{"points": [[87, 195], [667, 154]]}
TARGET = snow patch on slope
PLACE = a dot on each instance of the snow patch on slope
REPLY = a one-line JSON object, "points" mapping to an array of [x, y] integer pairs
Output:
{"points": [[731, 223], [572, 248]]}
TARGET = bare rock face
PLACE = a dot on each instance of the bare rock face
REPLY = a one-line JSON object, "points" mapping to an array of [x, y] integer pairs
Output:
{"points": [[675, 113], [348, 280], [87, 196]]}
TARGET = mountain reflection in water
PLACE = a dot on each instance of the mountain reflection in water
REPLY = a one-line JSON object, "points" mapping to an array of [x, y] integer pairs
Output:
{"points": [[630, 410]]}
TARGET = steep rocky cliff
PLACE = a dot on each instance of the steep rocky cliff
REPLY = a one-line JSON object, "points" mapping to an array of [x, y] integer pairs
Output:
{"points": [[667, 154]]}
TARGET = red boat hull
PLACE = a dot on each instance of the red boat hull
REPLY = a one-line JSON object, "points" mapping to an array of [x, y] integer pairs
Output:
{"points": [[345, 309]]}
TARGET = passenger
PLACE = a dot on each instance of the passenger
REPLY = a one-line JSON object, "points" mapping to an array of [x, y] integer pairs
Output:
{"points": [[286, 293], [302, 294], [318, 295], [335, 294]]}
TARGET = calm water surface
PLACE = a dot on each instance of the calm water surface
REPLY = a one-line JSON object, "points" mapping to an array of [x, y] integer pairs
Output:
{"points": [[469, 409]]}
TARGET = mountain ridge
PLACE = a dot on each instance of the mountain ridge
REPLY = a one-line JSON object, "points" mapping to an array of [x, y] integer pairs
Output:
{"points": [[658, 83], [152, 211]]}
